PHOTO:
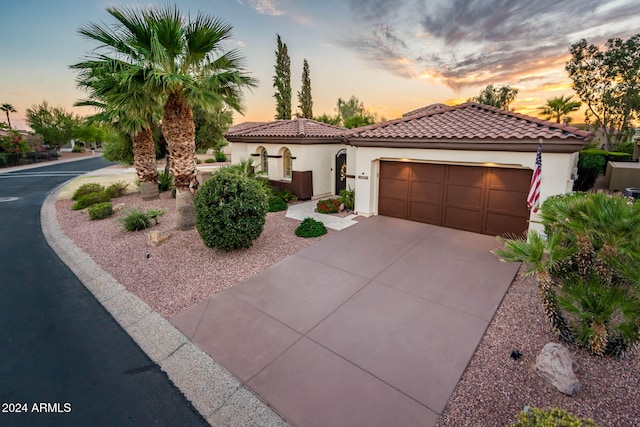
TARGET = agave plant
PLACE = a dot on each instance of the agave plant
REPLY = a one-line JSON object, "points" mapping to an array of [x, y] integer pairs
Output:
{"points": [[586, 269]]}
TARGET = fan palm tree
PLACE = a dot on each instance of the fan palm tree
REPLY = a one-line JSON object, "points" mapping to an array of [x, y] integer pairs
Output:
{"points": [[8, 108], [184, 59], [559, 108], [126, 105]]}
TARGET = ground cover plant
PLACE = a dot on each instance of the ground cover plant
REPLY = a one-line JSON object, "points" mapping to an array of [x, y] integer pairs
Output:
{"points": [[136, 219], [90, 187], [309, 227], [277, 204], [117, 189], [100, 210], [586, 267], [91, 199], [535, 417], [328, 206]]}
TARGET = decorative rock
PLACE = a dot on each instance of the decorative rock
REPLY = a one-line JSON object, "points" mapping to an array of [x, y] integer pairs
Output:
{"points": [[341, 208], [155, 238], [118, 207], [555, 365]]}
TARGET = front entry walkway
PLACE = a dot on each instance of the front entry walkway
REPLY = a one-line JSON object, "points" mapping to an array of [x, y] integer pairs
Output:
{"points": [[371, 326]]}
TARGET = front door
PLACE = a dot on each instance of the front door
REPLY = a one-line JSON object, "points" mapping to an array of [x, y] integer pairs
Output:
{"points": [[341, 170]]}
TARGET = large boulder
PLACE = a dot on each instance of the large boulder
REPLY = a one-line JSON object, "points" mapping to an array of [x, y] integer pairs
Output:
{"points": [[555, 365]]}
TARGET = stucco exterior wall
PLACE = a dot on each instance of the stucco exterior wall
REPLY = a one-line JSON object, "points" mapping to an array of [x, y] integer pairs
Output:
{"points": [[557, 169]]}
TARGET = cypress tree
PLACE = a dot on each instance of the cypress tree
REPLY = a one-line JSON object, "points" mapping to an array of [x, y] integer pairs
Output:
{"points": [[304, 95], [282, 82]]}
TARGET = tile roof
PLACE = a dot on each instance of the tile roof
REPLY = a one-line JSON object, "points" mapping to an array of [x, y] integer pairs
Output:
{"points": [[298, 128], [468, 121], [427, 109]]}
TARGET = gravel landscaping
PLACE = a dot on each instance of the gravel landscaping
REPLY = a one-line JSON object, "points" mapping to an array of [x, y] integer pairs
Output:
{"points": [[183, 271]]}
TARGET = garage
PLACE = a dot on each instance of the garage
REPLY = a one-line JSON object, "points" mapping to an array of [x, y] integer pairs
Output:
{"points": [[487, 200]]}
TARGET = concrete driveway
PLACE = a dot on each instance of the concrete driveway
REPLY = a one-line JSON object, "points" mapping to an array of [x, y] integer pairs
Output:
{"points": [[371, 326]]}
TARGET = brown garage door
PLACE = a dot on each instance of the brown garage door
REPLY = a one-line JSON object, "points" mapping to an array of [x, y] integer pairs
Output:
{"points": [[479, 199]]}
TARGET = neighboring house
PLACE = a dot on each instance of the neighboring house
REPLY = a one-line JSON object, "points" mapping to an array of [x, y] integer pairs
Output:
{"points": [[302, 155], [467, 166]]}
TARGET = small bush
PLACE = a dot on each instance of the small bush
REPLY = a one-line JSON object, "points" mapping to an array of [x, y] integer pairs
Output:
{"points": [[534, 417], [220, 156], [209, 160], [309, 227], [231, 210], [165, 181], [90, 199], [135, 220], [348, 198], [328, 206], [277, 204], [117, 189], [77, 149], [84, 189], [198, 161], [154, 214], [100, 210], [286, 195]]}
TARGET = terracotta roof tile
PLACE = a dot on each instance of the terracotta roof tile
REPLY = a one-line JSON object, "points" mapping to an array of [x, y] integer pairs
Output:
{"points": [[427, 109], [467, 121], [298, 128]]}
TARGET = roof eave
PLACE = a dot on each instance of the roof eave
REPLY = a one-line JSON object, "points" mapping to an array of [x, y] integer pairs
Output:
{"points": [[524, 145], [286, 140]]}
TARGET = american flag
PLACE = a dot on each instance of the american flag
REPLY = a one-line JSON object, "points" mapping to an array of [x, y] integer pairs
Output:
{"points": [[533, 199]]}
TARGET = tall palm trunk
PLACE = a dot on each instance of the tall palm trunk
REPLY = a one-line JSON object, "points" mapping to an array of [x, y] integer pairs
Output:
{"points": [[144, 160], [180, 133]]}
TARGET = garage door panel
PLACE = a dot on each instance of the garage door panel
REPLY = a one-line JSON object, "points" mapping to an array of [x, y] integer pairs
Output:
{"points": [[393, 207], [497, 223], [395, 170], [508, 202], [468, 197], [425, 212], [463, 219], [512, 179], [425, 172], [394, 188], [426, 191], [466, 176]]}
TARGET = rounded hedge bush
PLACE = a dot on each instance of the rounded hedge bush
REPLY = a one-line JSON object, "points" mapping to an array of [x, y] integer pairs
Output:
{"points": [[84, 189], [100, 210], [230, 211], [91, 199], [309, 227], [277, 204]]}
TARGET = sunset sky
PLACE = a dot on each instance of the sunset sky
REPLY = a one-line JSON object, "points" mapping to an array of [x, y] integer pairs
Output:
{"points": [[394, 55]]}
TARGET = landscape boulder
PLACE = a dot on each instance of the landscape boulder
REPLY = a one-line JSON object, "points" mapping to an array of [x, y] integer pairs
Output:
{"points": [[155, 238], [555, 365]]}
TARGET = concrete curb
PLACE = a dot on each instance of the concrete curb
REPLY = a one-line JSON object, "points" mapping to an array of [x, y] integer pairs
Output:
{"points": [[214, 392]]}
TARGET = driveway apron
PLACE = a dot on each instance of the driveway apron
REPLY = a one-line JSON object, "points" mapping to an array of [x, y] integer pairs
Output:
{"points": [[372, 326]]}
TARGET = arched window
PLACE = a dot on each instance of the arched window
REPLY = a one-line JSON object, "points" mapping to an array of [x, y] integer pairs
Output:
{"points": [[264, 161], [286, 158]]}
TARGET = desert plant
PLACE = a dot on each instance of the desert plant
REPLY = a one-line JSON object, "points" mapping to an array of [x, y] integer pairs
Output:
{"points": [[220, 156], [309, 227], [286, 195], [100, 210], [90, 187], [165, 181], [348, 198], [535, 417], [135, 220], [587, 269], [276, 204], [154, 214], [117, 189], [231, 210], [328, 206], [90, 199]]}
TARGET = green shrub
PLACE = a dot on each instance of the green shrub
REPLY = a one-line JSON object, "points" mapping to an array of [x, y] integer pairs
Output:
{"points": [[91, 199], [165, 181], [154, 214], [591, 163], [100, 210], [286, 195], [348, 198], [77, 149], [328, 206], [135, 220], [220, 156], [90, 187], [198, 161], [209, 160], [309, 227], [231, 210], [625, 147], [553, 417], [117, 189], [276, 204]]}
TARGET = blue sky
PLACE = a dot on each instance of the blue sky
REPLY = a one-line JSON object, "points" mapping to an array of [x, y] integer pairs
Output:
{"points": [[395, 55]]}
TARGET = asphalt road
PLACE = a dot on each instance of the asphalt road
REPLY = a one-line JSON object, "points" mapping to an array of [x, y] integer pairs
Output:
{"points": [[64, 361]]}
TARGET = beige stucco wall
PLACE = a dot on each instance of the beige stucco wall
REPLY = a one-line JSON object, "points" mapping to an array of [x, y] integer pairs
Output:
{"points": [[557, 169], [319, 158]]}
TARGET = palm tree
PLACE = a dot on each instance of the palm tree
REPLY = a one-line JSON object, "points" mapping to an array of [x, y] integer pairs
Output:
{"points": [[559, 108], [8, 108], [183, 59], [128, 108]]}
